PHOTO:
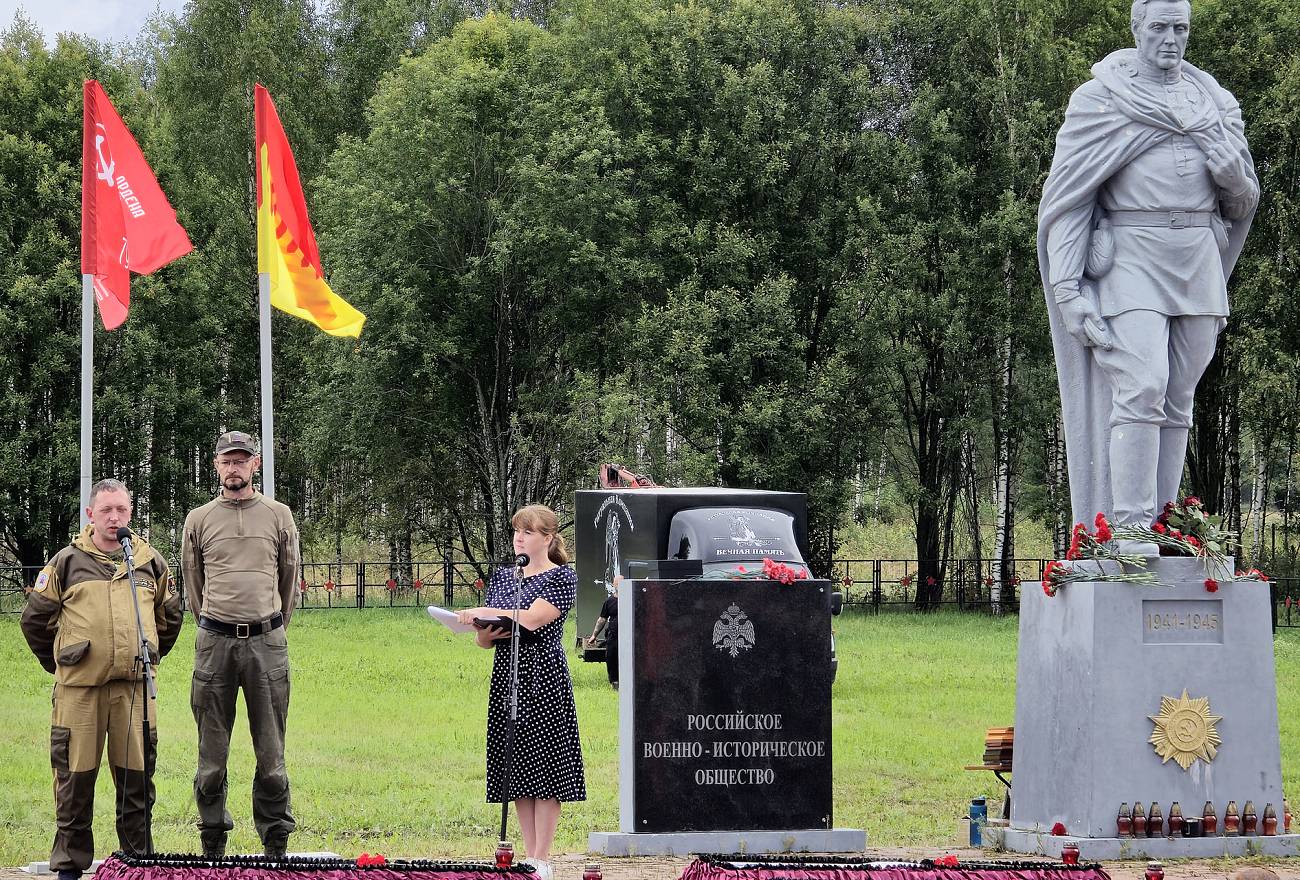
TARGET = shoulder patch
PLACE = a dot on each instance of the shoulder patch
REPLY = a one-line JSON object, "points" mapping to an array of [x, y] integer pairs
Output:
{"points": [[42, 581]]}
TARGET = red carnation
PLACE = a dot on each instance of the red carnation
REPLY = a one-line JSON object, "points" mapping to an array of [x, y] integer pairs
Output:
{"points": [[1211, 585], [1159, 528], [1049, 577], [905, 581], [948, 861], [929, 580], [1191, 539], [1104, 533], [1191, 502], [1073, 552], [1259, 574]]}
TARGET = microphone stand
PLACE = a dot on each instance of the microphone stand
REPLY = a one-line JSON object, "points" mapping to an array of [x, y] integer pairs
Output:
{"points": [[150, 689], [514, 696]]}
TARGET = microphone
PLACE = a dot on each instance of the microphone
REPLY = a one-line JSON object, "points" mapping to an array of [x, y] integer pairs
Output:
{"points": [[124, 535], [522, 560]]}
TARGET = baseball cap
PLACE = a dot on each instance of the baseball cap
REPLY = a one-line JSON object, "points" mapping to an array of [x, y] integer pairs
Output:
{"points": [[237, 441]]}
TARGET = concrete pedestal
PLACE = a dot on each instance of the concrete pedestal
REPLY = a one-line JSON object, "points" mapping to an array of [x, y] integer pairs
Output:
{"points": [[818, 840], [1094, 663], [1109, 849]]}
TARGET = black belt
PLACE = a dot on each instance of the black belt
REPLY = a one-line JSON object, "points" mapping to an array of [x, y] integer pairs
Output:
{"points": [[242, 630]]}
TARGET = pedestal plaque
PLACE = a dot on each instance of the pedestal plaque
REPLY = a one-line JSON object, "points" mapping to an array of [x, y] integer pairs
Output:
{"points": [[1119, 686], [725, 719]]}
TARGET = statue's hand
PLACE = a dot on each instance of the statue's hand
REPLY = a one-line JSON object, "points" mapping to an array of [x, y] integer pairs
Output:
{"points": [[1085, 323], [1227, 168]]}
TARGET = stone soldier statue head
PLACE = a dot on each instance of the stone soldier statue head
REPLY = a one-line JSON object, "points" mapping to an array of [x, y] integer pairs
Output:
{"points": [[1160, 30]]}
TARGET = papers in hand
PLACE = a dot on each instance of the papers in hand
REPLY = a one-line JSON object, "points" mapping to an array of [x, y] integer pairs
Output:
{"points": [[449, 619]]}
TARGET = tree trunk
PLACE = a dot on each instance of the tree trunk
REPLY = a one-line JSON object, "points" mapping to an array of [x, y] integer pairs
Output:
{"points": [[1258, 498], [1003, 438], [1058, 489]]}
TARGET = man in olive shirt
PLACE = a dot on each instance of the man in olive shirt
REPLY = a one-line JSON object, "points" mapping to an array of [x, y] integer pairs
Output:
{"points": [[239, 555]]}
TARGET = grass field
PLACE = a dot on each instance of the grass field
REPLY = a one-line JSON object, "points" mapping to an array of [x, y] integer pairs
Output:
{"points": [[385, 745]]}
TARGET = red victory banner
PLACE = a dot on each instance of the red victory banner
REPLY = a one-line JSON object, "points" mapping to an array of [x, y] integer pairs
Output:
{"points": [[127, 224]]}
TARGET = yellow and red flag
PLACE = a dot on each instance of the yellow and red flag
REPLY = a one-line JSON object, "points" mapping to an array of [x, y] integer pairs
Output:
{"points": [[127, 224], [286, 244]]}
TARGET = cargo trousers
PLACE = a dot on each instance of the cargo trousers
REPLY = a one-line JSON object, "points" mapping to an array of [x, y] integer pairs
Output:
{"points": [[82, 718], [259, 665]]}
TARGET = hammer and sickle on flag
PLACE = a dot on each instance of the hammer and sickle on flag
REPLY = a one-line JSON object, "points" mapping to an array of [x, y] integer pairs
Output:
{"points": [[123, 209]]}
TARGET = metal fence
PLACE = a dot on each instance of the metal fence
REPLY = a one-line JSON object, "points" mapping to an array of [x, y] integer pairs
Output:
{"points": [[873, 585]]}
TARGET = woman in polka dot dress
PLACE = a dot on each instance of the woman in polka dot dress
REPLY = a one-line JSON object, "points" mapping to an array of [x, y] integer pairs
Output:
{"points": [[547, 759]]}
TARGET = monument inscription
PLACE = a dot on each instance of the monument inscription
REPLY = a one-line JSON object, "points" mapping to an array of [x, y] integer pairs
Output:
{"points": [[732, 706], [1182, 621]]}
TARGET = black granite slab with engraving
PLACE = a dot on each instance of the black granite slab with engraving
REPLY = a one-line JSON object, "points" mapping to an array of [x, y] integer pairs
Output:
{"points": [[732, 705], [613, 526]]}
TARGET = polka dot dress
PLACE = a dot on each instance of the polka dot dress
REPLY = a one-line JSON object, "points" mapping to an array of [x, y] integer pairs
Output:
{"points": [[547, 753]]}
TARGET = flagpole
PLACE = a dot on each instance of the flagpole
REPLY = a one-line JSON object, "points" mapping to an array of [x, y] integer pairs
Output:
{"points": [[87, 386], [268, 408]]}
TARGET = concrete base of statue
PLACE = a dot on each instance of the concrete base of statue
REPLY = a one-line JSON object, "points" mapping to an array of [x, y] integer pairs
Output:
{"points": [[683, 843], [1109, 849], [1096, 663]]}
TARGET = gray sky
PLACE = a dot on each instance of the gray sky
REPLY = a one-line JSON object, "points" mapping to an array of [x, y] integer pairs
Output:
{"points": [[115, 20]]}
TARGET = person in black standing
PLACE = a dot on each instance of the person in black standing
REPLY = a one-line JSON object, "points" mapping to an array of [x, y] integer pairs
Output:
{"points": [[546, 763], [608, 619]]}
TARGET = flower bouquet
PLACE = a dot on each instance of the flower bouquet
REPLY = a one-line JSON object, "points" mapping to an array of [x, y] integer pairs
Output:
{"points": [[771, 570], [1093, 547]]}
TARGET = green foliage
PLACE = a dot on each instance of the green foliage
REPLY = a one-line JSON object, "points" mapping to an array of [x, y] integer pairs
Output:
{"points": [[786, 245]]}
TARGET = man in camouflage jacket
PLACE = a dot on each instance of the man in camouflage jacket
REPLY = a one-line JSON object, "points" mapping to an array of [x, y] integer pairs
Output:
{"points": [[81, 624]]}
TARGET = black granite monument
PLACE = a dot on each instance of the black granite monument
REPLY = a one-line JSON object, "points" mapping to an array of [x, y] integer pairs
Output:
{"points": [[730, 697]]}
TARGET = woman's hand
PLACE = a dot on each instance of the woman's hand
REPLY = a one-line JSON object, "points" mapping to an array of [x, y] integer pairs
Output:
{"points": [[467, 616]]}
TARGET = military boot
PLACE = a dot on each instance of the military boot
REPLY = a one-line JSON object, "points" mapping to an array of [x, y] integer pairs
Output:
{"points": [[276, 848], [1169, 472], [214, 845], [1134, 457]]}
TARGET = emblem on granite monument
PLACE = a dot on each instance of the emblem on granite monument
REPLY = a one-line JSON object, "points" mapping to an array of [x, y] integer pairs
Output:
{"points": [[1185, 730], [733, 631]]}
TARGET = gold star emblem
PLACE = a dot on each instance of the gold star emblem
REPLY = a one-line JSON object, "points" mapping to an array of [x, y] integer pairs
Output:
{"points": [[1185, 730]]}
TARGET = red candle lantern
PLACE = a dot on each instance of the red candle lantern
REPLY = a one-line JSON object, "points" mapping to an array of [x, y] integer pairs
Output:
{"points": [[505, 855], [1070, 854]]}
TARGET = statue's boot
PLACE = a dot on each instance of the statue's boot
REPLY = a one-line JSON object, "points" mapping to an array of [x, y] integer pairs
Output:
{"points": [[1169, 473], [1134, 456]]}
